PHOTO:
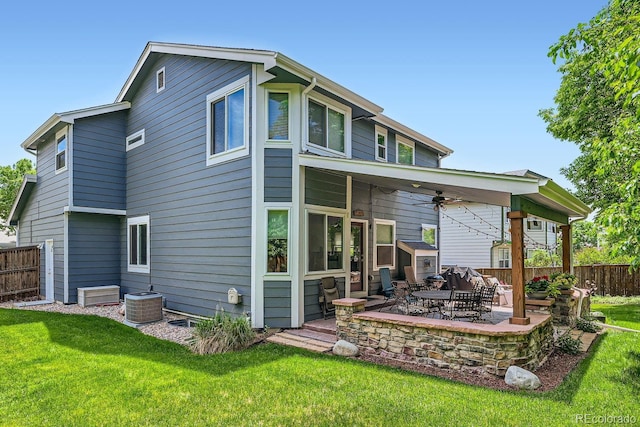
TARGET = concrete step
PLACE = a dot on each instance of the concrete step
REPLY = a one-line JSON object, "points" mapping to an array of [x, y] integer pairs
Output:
{"points": [[328, 337], [292, 340]]}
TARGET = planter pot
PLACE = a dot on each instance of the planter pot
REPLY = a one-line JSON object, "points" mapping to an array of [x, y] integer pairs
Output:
{"points": [[537, 295], [564, 287]]}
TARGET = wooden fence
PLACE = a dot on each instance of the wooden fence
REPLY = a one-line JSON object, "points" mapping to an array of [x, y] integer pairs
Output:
{"points": [[19, 273], [612, 280]]}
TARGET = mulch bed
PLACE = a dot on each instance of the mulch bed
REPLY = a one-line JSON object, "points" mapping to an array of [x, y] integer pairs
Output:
{"points": [[557, 366]]}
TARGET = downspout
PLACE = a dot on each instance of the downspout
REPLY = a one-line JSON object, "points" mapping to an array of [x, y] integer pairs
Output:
{"points": [[302, 116]]}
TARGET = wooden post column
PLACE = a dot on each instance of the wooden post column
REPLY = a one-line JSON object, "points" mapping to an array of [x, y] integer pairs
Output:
{"points": [[517, 267], [567, 248]]}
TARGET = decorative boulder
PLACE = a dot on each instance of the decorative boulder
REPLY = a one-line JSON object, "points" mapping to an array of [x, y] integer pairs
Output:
{"points": [[522, 378], [345, 348]]}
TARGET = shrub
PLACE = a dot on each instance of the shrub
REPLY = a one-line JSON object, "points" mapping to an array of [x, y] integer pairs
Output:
{"points": [[567, 344], [587, 324], [222, 333]]}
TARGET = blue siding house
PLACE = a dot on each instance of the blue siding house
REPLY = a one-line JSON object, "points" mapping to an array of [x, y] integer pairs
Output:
{"points": [[219, 168]]}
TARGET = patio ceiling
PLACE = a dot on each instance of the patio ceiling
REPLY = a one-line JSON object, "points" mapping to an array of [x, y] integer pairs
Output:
{"points": [[539, 196]]}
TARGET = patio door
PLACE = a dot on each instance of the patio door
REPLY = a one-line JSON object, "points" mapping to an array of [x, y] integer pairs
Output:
{"points": [[359, 285]]}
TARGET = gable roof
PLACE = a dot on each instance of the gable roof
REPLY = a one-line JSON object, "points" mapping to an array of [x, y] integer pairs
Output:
{"points": [[58, 120], [28, 184], [273, 62]]}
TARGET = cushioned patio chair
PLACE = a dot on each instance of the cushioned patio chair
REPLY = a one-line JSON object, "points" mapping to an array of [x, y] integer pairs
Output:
{"points": [[329, 292]]}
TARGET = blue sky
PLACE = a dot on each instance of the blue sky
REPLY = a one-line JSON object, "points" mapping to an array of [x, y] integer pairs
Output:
{"points": [[471, 75]]}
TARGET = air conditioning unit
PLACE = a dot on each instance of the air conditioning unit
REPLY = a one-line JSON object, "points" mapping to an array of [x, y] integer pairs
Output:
{"points": [[143, 307]]}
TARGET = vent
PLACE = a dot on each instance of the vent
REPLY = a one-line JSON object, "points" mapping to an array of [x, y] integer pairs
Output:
{"points": [[143, 307]]}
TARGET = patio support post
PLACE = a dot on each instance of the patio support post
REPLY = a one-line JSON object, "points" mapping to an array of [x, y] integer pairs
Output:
{"points": [[517, 267], [567, 245]]}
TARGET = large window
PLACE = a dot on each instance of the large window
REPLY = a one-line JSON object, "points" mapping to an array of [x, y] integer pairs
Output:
{"points": [[61, 151], [278, 116], [405, 151], [138, 244], [381, 144], [325, 242], [384, 236], [277, 240], [328, 126], [228, 122]]}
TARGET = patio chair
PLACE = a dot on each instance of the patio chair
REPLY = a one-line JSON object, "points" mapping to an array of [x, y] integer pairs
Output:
{"points": [[463, 305], [410, 277], [394, 290], [487, 293], [328, 292]]}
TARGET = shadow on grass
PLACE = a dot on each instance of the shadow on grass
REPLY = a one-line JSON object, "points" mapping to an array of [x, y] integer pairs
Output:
{"points": [[98, 335]]}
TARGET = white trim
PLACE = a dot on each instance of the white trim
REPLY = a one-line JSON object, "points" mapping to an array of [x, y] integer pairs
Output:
{"points": [[407, 142], [216, 158], [69, 117], [69, 162], [65, 261], [49, 291], [328, 103], [379, 130], [269, 91], [399, 127], [391, 222], [160, 88], [298, 257], [102, 211], [59, 136], [138, 139], [365, 256], [257, 197], [137, 268]]}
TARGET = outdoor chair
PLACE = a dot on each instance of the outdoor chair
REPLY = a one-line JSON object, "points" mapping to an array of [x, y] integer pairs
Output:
{"points": [[487, 292], [410, 277], [393, 290], [463, 305], [328, 292]]}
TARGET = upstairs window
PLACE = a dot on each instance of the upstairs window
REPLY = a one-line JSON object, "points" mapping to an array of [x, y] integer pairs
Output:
{"points": [[138, 244], [381, 144], [278, 116], [160, 80], [228, 122], [61, 151], [405, 154], [328, 126], [534, 224], [135, 140]]}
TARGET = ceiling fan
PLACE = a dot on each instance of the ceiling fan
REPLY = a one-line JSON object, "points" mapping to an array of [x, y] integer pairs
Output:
{"points": [[439, 201]]}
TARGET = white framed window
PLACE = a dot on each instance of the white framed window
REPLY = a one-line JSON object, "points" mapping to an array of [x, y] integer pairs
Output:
{"points": [[138, 244], [405, 151], [160, 80], [135, 140], [381, 144], [61, 151], [384, 238], [278, 117], [504, 257], [328, 126], [278, 238], [228, 122], [325, 241], [430, 234], [534, 224]]}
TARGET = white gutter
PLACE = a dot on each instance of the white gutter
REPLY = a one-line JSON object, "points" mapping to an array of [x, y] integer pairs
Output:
{"points": [[305, 129]]}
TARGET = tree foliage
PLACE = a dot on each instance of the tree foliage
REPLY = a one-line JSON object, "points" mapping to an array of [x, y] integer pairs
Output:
{"points": [[10, 181], [598, 108]]}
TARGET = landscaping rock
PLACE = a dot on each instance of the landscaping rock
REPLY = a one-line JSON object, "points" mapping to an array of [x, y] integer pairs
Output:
{"points": [[599, 316], [521, 378], [345, 348]]}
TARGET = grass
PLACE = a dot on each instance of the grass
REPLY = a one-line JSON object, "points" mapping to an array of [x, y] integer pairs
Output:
{"points": [[620, 311], [70, 370]]}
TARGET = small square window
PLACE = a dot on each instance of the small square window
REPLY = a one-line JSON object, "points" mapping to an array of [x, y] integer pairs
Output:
{"points": [[405, 153], [160, 80], [135, 140]]}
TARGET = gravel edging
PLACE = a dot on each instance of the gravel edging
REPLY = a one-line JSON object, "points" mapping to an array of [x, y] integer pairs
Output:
{"points": [[160, 329]]}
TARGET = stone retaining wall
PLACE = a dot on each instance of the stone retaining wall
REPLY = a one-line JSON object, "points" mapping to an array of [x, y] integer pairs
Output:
{"points": [[445, 343]]}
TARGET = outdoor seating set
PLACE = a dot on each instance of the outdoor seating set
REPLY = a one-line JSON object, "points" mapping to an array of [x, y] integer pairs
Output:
{"points": [[427, 298]]}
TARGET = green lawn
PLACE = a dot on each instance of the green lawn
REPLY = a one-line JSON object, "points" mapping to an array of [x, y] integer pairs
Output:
{"points": [[620, 311], [66, 370]]}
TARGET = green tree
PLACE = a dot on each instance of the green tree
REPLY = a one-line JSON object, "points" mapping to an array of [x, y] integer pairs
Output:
{"points": [[10, 181], [598, 109], [542, 258], [585, 234]]}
